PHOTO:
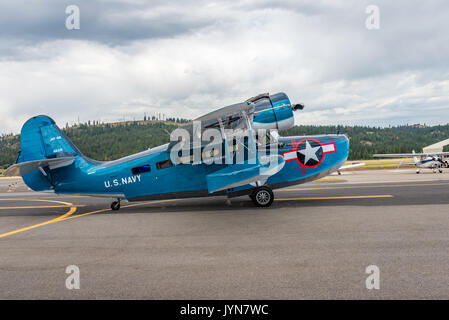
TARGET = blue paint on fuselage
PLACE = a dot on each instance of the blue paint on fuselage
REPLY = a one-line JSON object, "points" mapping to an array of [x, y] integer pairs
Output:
{"points": [[83, 177], [41, 139]]}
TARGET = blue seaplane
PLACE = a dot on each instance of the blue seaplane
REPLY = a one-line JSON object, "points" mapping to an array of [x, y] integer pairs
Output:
{"points": [[199, 161]]}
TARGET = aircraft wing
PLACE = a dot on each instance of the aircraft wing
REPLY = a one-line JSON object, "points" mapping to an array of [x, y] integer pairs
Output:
{"points": [[242, 174], [23, 168], [230, 116], [435, 154], [409, 155], [396, 155], [353, 165]]}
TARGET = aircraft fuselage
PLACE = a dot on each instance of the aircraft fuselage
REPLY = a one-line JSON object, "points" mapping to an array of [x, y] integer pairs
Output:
{"points": [[151, 174]]}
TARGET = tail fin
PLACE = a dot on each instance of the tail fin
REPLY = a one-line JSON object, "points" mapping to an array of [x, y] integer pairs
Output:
{"points": [[43, 147], [415, 159], [41, 139]]}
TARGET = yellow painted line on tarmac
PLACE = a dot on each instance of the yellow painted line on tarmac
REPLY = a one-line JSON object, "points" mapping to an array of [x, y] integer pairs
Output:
{"points": [[40, 207], [69, 214], [330, 180], [36, 200], [65, 215], [337, 198], [149, 202], [126, 206], [362, 186], [86, 214]]}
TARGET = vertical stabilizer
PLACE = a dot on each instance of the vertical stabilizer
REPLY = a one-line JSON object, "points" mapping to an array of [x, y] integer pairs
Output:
{"points": [[415, 159], [43, 147]]}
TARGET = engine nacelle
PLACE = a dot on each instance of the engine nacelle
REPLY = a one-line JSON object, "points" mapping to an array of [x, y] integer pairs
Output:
{"points": [[274, 111]]}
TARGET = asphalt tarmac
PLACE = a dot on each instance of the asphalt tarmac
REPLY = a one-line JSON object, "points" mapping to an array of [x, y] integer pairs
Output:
{"points": [[314, 242]]}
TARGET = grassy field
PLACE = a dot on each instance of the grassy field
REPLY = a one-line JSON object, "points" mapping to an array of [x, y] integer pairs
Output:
{"points": [[3, 178], [383, 164]]}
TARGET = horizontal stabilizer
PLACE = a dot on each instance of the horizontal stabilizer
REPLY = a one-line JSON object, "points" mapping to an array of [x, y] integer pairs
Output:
{"points": [[23, 168]]}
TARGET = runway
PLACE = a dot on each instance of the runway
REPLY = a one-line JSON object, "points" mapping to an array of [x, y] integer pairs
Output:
{"points": [[315, 242]]}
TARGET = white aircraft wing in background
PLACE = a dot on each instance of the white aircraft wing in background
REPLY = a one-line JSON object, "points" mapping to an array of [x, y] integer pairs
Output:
{"points": [[410, 155]]}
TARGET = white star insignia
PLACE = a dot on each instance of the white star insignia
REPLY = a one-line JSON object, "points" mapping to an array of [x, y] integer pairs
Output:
{"points": [[309, 152]]}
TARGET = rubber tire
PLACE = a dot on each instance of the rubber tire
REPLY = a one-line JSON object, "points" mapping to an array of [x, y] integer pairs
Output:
{"points": [[265, 190], [115, 205]]}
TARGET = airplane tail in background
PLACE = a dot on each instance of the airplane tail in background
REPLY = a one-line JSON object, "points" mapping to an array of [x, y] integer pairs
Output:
{"points": [[415, 159], [44, 147]]}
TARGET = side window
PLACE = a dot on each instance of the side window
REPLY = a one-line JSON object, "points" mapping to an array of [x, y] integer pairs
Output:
{"points": [[164, 164], [141, 169]]}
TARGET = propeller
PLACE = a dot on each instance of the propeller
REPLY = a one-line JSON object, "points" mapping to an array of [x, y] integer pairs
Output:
{"points": [[297, 106]]}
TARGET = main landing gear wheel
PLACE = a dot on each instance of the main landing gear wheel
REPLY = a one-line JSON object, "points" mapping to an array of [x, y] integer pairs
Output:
{"points": [[115, 205], [262, 197]]}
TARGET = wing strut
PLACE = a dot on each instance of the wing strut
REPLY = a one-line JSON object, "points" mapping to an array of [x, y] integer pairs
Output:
{"points": [[251, 142], [225, 140]]}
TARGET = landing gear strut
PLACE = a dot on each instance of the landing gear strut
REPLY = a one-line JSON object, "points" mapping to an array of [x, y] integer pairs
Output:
{"points": [[115, 205], [262, 196]]}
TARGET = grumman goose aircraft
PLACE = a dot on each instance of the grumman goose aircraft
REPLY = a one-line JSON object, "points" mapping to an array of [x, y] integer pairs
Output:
{"points": [[228, 152]]}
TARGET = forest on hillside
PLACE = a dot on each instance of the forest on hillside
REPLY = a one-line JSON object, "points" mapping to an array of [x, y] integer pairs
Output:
{"points": [[115, 140], [365, 141]]}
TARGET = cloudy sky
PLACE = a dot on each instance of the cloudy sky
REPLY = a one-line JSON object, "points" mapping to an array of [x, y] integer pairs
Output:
{"points": [[184, 58]]}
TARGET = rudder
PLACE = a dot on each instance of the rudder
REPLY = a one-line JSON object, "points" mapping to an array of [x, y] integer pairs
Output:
{"points": [[41, 139]]}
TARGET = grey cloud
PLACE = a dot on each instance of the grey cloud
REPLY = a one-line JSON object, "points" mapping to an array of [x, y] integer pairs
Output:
{"points": [[186, 57], [113, 23]]}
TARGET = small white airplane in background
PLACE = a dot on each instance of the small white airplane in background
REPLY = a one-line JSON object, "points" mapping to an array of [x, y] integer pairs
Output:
{"points": [[434, 161], [432, 157]]}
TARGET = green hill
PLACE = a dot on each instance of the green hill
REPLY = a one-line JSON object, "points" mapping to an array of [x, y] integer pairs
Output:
{"points": [[104, 141], [365, 141], [115, 140]]}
